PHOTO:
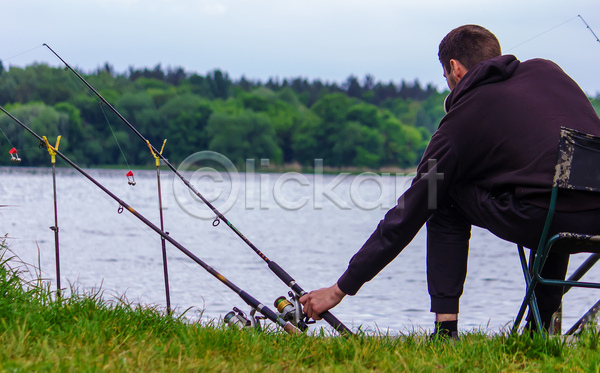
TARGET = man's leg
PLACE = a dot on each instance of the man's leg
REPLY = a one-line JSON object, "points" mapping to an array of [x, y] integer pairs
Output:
{"points": [[448, 234], [508, 219]]}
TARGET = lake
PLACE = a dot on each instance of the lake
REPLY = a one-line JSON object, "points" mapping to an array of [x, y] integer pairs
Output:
{"points": [[310, 224]]}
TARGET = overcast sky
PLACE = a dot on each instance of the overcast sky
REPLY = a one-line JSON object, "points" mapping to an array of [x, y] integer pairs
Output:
{"points": [[324, 39]]}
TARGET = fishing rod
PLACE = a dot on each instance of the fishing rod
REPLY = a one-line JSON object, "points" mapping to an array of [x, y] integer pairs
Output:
{"points": [[587, 318], [273, 266], [251, 301], [52, 151], [162, 225], [589, 28]]}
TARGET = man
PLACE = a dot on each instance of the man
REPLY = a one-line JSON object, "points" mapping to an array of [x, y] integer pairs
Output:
{"points": [[490, 164]]}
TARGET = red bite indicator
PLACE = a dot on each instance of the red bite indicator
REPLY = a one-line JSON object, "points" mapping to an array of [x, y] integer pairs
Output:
{"points": [[14, 156], [130, 179]]}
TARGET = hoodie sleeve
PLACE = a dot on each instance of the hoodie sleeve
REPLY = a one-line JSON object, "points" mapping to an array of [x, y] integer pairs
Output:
{"points": [[435, 175]]}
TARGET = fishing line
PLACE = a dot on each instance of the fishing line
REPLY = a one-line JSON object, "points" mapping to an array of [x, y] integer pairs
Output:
{"points": [[83, 87], [114, 136], [550, 29], [7, 139], [20, 54]]}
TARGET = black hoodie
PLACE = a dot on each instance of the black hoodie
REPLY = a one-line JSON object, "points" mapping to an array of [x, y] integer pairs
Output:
{"points": [[500, 133]]}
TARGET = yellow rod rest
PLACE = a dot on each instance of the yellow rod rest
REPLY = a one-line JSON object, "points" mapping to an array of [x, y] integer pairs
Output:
{"points": [[52, 149], [156, 157]]}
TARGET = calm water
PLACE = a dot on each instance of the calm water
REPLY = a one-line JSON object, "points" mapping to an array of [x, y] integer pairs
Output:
{"points": [[308, 224]]}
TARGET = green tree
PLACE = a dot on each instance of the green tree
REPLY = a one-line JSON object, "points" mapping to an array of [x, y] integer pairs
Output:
{"points": [[77, 136], [241, 137], [40, 118], [365, 114], [91, 111], [106, 79], [352, 87], [360, 123], [403, 145], [42, 83], [284, 110], [8, 86], [219, 84], [183, 121], [132, 103], [431, 112], [333, 107], [406, 110], [357, 145], [161, 96], [198, 85], [348, 134], [137, 108]]}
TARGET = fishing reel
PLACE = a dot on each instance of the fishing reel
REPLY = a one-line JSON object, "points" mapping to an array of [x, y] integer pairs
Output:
{"points": [[291, 311], [238, 319]]}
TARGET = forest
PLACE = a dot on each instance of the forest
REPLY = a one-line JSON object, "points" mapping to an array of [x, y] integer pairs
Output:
{"points": [[360, 123]]}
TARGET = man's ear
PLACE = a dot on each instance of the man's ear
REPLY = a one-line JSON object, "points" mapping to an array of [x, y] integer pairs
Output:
{"points": [[457, 69]]}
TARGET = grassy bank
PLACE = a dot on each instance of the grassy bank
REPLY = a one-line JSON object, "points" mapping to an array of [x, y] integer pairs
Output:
{"points": [[85, 333]]}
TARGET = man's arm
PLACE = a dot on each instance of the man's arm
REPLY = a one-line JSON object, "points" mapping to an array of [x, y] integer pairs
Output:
{"points": [[436, 174], [396, 230]]}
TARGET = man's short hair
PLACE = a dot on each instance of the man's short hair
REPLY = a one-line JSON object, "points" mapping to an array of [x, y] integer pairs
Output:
{"points": [[468, 44]]}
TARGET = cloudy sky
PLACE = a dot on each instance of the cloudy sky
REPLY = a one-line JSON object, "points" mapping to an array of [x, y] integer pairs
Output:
{"points": [[324, 39]]}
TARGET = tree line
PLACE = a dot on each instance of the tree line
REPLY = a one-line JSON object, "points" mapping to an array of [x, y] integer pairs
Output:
{"points": [[358, 123]]}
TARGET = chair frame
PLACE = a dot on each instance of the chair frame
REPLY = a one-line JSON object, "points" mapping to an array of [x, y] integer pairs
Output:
{"points": [[564, 242]]}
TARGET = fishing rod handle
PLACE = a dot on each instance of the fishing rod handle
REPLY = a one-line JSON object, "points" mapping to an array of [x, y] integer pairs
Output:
{"points": [[336, 324], [291, 329]]}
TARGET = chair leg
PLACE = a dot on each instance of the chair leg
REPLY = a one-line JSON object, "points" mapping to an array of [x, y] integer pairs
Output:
{"points": [[520, 315], [531, 301], [530, 298], [536, 311], [525, 303]]}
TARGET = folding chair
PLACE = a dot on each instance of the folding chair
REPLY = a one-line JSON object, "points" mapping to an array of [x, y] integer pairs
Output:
{"points": [[578, 168]]}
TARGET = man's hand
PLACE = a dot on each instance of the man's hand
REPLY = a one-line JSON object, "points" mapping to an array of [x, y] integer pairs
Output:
{"points": [[318, 301]]}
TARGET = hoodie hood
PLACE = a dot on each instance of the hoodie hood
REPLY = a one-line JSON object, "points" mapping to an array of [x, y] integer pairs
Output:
{"points": [[489, 71]]}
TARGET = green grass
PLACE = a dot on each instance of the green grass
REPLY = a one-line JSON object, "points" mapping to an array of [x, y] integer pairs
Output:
{"points": [[83, 332]]}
